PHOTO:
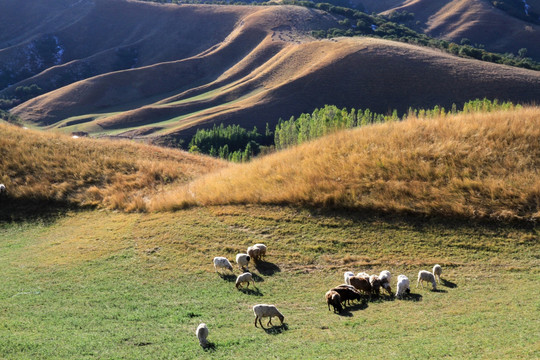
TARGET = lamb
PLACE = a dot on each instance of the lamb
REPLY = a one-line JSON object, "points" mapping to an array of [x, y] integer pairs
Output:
{"points": [[385, 278], [254, 253], [222, 263], [262, 250], [202, 334], [269, 311], [244, 278], [242, 260], [347, 293], [424, 275], [403, 286], [437, 271], [347, 275], [333, 298]]}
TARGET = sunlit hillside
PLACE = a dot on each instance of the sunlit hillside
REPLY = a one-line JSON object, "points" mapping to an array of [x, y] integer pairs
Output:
{"points": [[469, 165], [44, 167]]}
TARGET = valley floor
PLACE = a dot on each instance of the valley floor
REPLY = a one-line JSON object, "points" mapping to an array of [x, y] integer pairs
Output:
{"points": [[100, 284]]}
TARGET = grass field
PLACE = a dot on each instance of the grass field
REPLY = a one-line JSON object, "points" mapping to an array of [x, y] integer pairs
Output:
{"points": [[110, 285]]}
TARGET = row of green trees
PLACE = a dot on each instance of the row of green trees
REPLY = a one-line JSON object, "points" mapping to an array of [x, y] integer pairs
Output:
{"points": [[237, 144]]}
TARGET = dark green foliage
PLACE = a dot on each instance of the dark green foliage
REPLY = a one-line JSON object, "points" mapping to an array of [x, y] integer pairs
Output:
{"points": [[6, 116], [27, 92], [232, 142], [517, 9], [126, 58]]}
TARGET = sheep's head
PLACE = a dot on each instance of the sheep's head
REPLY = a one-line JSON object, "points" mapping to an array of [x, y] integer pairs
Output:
{"points": [[281, 317]]}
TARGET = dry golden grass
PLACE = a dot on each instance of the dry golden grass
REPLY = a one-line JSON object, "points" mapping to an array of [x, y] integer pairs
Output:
{"points": [[471, 165], [117, 175]]}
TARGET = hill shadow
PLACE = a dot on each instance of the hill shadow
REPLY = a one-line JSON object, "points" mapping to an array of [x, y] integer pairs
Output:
{"points": [[249, 291], [448, 284], [266, 268], [275, 330], [228, 277], [44, 210]]}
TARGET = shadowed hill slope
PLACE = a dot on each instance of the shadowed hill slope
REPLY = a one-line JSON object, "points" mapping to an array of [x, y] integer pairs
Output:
{"points": [[467, 165]]}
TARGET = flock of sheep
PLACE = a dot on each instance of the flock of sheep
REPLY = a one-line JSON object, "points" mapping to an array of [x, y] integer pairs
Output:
{"points": [[355, 287]]}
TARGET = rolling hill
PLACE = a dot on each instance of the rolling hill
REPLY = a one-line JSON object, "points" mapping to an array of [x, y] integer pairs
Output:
{"points": [[170, 69]]}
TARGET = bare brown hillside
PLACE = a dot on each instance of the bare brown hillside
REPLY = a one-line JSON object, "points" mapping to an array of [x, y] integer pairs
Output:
{"points": [[165, 70], [476, 20]]}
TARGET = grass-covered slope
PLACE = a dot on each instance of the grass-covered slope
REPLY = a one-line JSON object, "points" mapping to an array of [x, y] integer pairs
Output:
{"points": [[100, 284], [469, 165], [39, 167]]}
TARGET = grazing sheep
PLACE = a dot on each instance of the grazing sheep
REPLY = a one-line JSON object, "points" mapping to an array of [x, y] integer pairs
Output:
{"points": [[333, 298], [363, 274], [254, 253], [222, 263], [424, 275], [202, 334], [361, 284], [262, 250], [385, 278], [437, 271], [403, 286], [347, 275], [347, 293], [244, 278], [3, 190], [242, 260], [375, 284], [269, 311]]}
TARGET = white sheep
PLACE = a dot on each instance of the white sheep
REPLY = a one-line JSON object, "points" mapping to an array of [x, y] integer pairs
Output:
{"points": [[424, 275], [244, 278], [269, 311], [403, 286], [3, 190], [347, 275], [385, 274], [437, 271], [202, 334], [254, 253], [363, 274], [262, 249], [222, 263], [242, 260]]}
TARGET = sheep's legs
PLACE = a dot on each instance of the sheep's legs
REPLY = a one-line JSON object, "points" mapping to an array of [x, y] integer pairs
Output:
{"points": [[260, 322], [270, 322]]}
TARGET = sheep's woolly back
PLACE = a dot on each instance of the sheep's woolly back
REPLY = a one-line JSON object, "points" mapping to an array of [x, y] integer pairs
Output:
{"points": [[265, 310], [242, 259], [437, 270], [243, 278], [402, 285], [221, 262], [385, 274], [262, 249], [202, 334], [424, 275]]}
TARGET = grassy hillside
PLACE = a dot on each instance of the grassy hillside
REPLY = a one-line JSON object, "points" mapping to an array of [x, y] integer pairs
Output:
{"points": [[39, 168], [468, 165], [113, 285]]}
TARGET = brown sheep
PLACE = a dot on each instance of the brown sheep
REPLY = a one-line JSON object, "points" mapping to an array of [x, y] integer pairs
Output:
{"points": [[361, 284], [333, 298], [347, 293], [375, 284]]}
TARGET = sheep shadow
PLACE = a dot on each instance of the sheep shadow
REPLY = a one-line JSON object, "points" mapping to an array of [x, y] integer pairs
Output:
{"points": [[276, 329], [257, 278], [249, 291], [358, 306], [439, 290], [266, 268], [228, 277], [411, 297], [448, 284], [210, 347]]}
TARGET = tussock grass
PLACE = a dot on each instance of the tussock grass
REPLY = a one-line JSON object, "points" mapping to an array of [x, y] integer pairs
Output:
{"points": [[469, 165], [45, 167]]}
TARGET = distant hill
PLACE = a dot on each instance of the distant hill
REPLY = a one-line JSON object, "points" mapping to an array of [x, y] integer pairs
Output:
{"points": [[477, 20], [165, 70]]}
